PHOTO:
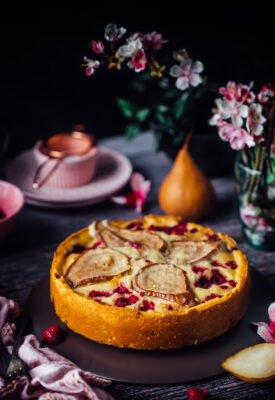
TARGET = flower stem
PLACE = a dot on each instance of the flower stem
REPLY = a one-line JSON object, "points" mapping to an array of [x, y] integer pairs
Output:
{"points": [[257, 167]]}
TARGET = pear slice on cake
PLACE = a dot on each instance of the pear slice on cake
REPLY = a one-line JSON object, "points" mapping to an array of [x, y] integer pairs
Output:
{"points": [[253, 364]]}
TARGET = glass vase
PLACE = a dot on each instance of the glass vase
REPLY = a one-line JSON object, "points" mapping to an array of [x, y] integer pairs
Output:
{"points": [[256, 199]]}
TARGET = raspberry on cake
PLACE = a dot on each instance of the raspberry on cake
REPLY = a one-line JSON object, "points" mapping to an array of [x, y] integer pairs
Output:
{"points": [[153, 283]]}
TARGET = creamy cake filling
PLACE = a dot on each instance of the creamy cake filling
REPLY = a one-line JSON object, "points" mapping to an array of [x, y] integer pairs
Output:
{"points": [[150, 267]]}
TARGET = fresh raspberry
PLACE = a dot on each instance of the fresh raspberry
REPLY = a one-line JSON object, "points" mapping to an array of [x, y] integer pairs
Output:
{"points": [[53, 334], [197, 394]]}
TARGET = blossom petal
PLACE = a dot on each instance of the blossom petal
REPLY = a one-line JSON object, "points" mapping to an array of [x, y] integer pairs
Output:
{"points": [[139, 205], [243, 111], [139, 184], [182, 83], [119, 199], [195, 80], [271, 312], [175, 71], [237, 121], [265, 332], [197, 67]]}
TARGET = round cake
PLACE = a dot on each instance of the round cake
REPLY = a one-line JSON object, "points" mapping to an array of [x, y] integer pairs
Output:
{"points": [[152, 283]]}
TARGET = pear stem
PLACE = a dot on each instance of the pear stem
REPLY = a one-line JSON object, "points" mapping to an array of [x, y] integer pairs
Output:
{"points": [[187, 140]]}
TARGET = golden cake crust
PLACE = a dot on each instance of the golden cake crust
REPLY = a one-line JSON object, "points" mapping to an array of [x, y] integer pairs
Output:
{"points": [[132, 328]]}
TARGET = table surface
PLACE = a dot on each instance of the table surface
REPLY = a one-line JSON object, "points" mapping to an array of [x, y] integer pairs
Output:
{"points": [[25, 257]]}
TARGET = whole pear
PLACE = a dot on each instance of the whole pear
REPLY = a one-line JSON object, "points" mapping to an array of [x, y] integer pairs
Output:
{"points": [[186, 192]]}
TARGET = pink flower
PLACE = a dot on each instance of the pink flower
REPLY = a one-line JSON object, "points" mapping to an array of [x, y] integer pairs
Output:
{"points": [[91, 65], [98, 47], [267, 332], [236, 136], [138, 196], [187, 73], [245, 95], [152, 40], [230, 92], [138, 61], [255, 119], [252, 217], [240, 93], [267, 92]]}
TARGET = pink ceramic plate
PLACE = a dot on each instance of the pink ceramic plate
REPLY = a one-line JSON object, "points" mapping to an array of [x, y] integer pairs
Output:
{"points": [[113, 172]]}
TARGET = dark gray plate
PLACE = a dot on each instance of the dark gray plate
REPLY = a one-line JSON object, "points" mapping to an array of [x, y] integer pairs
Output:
{"points": [[153, 367]]}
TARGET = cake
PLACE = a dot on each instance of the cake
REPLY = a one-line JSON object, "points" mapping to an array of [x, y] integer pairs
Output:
{"points": [[152, 283]]}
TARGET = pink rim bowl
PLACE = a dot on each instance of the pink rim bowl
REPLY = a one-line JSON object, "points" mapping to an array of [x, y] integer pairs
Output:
{"points": [[73, 171], [11, 203]]}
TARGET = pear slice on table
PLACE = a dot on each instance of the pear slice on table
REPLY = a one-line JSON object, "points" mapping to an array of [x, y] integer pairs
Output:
{"points": [[253, 364]]}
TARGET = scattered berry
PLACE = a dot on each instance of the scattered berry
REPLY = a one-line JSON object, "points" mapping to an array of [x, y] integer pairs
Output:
{"points": [[197, 394], [211, 297], [121, 289], [99, 293], [217, 278], [203, 282], [53, 334], [126, 301], [147, 305], [232, 264]]}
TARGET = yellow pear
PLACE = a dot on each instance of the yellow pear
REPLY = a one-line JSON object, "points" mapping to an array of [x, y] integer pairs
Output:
{"points": [[186, 192], [253, 364]]}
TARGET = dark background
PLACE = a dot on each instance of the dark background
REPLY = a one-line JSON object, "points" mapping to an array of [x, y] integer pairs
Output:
{"points": [[44, 89]]}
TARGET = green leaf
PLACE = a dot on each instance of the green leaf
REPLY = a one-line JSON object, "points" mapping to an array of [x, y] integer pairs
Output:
{"points": [[128, 109], [143, 114], [180, 106], [164, 120], [271, 175], [162, 108], [132, 130]]}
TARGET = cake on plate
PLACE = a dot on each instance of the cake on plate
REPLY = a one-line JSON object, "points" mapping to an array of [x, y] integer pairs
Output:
{"points": [[152, 283]]}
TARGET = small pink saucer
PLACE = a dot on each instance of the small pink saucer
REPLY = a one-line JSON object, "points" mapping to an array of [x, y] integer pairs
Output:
{"points": [[113, 172]]}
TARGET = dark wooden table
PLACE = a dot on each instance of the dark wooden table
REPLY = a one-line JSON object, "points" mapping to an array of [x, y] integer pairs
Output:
{"points": [[25, 257]]}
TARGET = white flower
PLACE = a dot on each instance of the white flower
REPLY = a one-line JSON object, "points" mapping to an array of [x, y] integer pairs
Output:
{"points": [[128, 50], [219, 112], [236, 111], [113, 33], [255, 119], [187, 73]]}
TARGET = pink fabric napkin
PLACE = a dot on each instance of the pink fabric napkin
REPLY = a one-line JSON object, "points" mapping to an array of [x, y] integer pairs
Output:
{"points": [[53, 377]]}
